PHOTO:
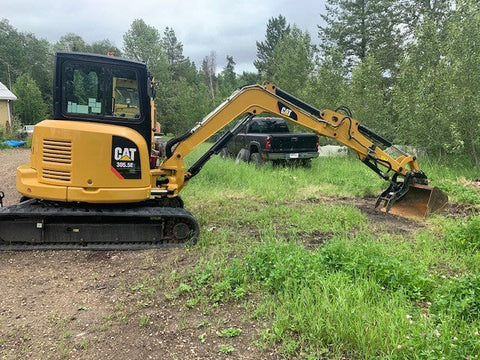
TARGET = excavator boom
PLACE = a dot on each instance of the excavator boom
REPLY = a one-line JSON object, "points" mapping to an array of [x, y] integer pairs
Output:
{"points": [[411, 197]]}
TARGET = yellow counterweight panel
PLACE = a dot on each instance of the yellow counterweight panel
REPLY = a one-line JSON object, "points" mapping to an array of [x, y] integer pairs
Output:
{"points": [[103, 195], [28, 185], [72, 161]]}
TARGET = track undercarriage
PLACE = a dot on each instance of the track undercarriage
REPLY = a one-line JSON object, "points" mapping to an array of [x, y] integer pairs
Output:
{"points": [[43, 225]]}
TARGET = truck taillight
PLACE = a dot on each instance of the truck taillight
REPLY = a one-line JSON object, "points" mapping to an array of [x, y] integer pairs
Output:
{"points": [[268, 143]]}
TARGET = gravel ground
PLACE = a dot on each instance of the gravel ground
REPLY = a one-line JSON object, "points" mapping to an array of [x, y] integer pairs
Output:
{"points": [[92, 305]]}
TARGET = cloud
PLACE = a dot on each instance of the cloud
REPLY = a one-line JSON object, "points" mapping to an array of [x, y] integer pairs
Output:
{"points": [[224, 26]]}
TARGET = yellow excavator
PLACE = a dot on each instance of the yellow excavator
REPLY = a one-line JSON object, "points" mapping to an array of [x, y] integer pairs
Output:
{"points": [[94, 180]]}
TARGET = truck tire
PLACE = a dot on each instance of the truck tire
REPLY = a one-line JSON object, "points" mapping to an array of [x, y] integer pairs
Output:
{"points": [[306, 163], [224, 153], [242, 156], [256, 159]]}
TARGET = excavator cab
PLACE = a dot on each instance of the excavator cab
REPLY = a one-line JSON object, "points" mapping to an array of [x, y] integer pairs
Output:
{"points": [[97, 147], [102, 89]]}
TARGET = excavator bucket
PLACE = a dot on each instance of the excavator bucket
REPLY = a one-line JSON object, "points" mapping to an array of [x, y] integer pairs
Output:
{"points": [[419, 202]]}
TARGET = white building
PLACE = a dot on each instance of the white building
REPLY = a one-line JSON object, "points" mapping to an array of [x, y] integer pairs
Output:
{"points": [[6, 107]]}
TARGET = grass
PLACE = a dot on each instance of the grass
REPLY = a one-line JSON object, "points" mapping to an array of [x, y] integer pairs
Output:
{"points": [[328, 177], [362, 293], [318, 277], [226, 349]]}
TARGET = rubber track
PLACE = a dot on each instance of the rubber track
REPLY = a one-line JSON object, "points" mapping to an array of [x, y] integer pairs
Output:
{"points": [[116, 215]]}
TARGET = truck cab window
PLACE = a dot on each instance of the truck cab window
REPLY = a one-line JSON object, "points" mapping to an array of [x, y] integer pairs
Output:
{"points": [[255, 128]]}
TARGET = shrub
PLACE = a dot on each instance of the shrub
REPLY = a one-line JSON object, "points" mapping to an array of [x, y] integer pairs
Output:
{"points": [[464, 235], [459, 297]]}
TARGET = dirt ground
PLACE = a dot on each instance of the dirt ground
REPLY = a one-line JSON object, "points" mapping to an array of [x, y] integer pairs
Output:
{"points": [[10, 160], [92, 305]]}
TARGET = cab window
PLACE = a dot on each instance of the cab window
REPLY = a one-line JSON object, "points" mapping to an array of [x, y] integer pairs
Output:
{"points": [[125, 98], [93, 91]]}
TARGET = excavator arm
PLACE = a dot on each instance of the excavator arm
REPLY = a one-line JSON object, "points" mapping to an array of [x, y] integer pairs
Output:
{"points": [[253, 100]]}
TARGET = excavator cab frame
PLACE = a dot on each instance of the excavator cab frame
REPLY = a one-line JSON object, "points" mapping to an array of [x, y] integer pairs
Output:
{"points": [[92, 88]]}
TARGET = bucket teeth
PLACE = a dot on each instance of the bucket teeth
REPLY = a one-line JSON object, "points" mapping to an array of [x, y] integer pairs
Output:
{"points": [[418, 202]]}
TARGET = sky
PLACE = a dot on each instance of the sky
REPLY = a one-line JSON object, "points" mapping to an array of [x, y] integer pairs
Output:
{"points": [[227, 27]]}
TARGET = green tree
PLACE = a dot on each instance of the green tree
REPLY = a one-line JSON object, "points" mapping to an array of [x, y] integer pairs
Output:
{"points": [[40, 64], [181, 94], [420, 95], [29, 106], [356, 28], [142, 42], [434, 10], [173, 47], [178, 65], [12, 54], [103, 47], [75, 43], [277, 28], [186, 104], [369, 100], [22, 53], [248, 78], [462, 64], [227, 80], [71, 42], [293, 61], [328, 85]]}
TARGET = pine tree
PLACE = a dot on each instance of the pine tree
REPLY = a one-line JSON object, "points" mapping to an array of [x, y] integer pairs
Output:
{"points": [[293, 61], [227, 81], [357, 28], [277, 28]]}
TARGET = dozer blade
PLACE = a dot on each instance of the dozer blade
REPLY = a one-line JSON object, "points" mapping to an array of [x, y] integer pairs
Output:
{"points": [[419, 202]]}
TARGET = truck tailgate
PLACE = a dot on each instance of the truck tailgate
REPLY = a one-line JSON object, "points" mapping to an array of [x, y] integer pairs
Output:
{"points": [[293, 143]]}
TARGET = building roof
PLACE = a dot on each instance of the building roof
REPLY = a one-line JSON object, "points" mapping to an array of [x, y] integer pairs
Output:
{"points": [[6, 94]]}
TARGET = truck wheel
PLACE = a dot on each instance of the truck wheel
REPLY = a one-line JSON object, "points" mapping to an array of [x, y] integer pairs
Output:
{"points": [[306, 163], [242, 156], [256, 159], [224, 153]]}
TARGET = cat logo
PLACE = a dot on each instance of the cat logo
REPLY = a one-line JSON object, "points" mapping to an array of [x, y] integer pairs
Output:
{"points": [[125, 159], [286, 111], [124, 154]]}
